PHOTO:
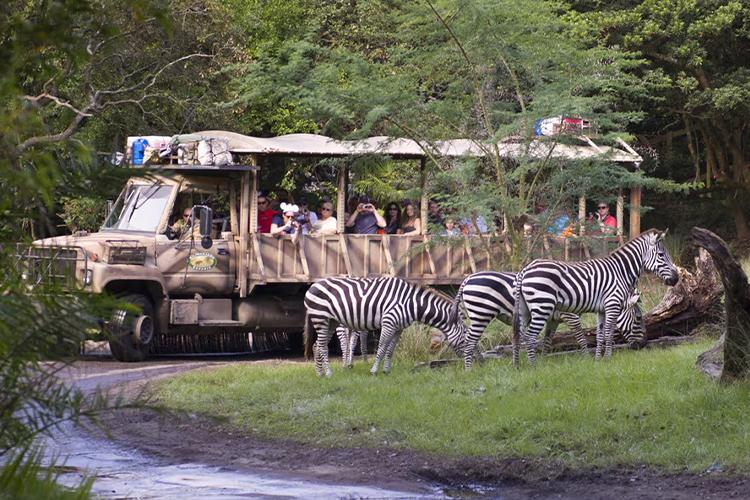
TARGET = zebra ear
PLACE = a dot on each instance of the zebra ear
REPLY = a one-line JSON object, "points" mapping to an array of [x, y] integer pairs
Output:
{"points": [[660, 236]]}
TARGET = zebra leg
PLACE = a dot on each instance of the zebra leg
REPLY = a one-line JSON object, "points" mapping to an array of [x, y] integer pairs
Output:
{"points": [[362, 345], [574, 323], [389, 352], [387, 331], [344, 335], [599, 336], [609, 330], [549, 331], [478, 325], [538, 320], [321, 352]]}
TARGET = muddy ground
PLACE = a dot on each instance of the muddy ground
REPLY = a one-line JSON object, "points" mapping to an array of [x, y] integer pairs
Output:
{"points": [[182, 438]]}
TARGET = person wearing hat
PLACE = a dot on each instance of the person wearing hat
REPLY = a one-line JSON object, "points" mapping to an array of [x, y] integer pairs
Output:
{"points": [[289, 224], [365, 219]]}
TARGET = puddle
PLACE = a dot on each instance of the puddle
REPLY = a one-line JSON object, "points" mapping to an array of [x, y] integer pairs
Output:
{"points": [[123, 473]]}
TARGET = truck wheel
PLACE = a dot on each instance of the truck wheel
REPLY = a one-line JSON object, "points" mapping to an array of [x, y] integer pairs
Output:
{"points": [[131, 335]]}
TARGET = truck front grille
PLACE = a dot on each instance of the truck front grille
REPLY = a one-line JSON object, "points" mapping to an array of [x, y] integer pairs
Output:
{"points": [[51, 265]]}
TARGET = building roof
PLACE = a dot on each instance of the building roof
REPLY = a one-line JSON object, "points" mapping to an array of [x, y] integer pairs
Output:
{"points": [[399, 147]]}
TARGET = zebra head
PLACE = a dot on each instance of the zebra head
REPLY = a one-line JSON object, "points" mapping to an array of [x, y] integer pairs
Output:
{"points": [[656, 258], [630, 322]]}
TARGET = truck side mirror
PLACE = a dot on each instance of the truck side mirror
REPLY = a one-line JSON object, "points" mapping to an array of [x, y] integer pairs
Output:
{"points": [[206, 221]]}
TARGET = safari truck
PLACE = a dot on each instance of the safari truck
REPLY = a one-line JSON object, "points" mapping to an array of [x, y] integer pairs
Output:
{"points": [[218, 284]]}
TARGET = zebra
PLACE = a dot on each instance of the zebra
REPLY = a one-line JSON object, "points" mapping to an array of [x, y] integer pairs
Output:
{"points": [[384, 303], [348, 340], [598, 285], [489, 294]]}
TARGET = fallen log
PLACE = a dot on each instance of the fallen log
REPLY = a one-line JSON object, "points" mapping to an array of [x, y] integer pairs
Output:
{"points": [[505, 351], [735, 343]]}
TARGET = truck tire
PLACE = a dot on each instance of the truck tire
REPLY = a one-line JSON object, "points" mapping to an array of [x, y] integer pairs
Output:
{"points": [[131, 336]]}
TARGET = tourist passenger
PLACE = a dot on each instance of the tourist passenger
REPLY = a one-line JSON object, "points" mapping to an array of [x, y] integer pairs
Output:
{"points": [[289, 224], [392, 218], [450, 228], [607, 223], [561, 224], [410, 223], [266, 215], [327, 222], [306, 216], [434, 217], [365, 219], [474, 224]]}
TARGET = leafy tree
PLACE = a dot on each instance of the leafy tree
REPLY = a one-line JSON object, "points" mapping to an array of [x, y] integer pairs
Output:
{"points": [[695, 71], [483, 70]]}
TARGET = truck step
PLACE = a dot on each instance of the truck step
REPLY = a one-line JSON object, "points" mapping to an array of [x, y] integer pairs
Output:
{"points": [[219, 322]]}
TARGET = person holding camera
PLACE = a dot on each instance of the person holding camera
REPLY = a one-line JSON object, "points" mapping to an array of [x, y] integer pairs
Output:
{"points": [[305, 217], [288, 224], [365, 219]]}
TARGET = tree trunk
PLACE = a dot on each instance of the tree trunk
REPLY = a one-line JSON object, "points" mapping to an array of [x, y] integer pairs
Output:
{"points": [[737, 303]]}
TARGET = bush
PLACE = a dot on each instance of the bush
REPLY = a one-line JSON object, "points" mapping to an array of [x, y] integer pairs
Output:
{"points": [[83, 213]]}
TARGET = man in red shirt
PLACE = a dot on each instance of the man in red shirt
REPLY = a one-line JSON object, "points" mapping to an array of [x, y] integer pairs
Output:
{"points": [[265, 215], [607, 223]]}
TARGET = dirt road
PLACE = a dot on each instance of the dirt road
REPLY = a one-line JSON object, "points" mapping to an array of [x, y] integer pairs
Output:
{"points": [[152, 456], [197, 456]]}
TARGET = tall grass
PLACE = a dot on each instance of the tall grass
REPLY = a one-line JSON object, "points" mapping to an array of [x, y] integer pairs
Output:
{"points": [[23, 477], [645, 407]]}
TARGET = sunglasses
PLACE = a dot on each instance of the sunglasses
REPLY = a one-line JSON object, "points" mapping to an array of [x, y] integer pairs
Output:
{"points": [[326, 209], [601, 208], [262, 203], [186, 215]]}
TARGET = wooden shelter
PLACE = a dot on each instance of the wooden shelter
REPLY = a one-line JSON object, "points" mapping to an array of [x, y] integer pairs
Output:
{"points": [[289, 260]]}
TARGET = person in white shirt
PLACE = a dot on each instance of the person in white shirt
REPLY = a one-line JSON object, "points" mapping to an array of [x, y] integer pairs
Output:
{"points": [[326, 224]]}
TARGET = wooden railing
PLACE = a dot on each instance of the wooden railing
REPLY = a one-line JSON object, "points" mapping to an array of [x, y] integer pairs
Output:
{"points": [[421, 259]]}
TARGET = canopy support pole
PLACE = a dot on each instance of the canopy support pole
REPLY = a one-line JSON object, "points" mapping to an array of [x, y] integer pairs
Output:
{"points": [[581, 215], [620, 212], [635, 211], [423, 199], [341, 200]]}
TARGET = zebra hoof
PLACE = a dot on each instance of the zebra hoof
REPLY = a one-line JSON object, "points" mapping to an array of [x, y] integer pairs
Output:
{"points": [[329, 373]]}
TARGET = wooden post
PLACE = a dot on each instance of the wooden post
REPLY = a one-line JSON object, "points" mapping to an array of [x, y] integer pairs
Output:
{"points": [[246, 215], [620, 212], [341, 200], [423, 199], [581, 215], [635, 211]]}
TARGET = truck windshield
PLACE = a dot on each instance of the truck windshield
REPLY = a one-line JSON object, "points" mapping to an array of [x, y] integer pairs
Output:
{"points": [[140, 209]]}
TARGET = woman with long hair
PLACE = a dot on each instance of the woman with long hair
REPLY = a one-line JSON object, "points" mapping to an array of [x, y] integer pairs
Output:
{"points": [[410, 222], [392, 218]]}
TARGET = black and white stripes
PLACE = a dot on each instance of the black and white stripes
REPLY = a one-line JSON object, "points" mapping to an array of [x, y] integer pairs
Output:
{"points": [[599, 285], [383, 303], [488, 294]]}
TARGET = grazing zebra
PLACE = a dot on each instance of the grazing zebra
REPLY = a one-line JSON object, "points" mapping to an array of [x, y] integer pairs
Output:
{"points": [[348, 340], [383, 303], [598, 285], [489, 294]]}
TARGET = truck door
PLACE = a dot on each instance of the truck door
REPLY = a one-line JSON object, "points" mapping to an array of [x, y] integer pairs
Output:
{"points": [[189, 268]]}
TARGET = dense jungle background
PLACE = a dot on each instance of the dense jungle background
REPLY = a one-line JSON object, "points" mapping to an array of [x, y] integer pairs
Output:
{"points": [[78, 76]]}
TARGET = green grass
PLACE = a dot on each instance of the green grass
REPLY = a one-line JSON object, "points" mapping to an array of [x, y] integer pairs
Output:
{"points": [[644, 407], [22, 476]]}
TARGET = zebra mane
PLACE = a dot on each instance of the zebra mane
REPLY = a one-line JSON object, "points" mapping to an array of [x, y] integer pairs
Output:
{"points": [[441, 295], [640, 236]]}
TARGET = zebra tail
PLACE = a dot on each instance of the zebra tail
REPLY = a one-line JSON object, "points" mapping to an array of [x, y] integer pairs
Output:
{"points": [[456, 305], [310, 336]]}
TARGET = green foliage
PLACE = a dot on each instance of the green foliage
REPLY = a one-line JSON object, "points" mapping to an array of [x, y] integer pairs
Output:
{"points": [[24, 478], [695, 80], [84, 213], [641, 408]]}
